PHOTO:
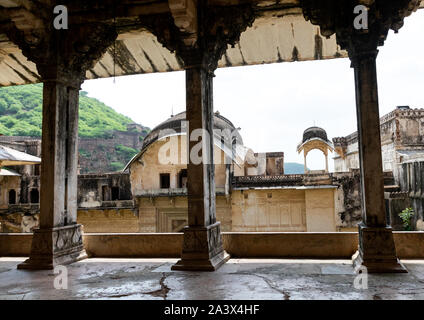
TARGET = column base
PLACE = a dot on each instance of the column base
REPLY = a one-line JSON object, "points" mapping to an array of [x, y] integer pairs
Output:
{"points": [[55, 246], [202, 249], [377, 251]]}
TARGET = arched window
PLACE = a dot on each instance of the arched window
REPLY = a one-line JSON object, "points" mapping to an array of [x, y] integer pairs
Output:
{"points": [[12, 196], [34, 196]]}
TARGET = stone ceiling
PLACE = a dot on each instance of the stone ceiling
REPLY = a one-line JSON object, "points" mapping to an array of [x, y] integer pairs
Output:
{"points": [[279, 34]]}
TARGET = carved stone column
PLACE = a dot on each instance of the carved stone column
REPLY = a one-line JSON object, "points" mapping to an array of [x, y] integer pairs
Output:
{"points": [[326, 161], [59, 238], [202, 246], [62, 58], [376, 250], [199, 34]]}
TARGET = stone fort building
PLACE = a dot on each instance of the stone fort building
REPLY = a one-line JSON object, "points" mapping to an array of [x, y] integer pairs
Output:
{"points": [[252, 191], [198, 37]]}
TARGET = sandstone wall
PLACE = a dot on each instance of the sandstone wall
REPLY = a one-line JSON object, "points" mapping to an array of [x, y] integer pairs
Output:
{"points": [[169, 214]]}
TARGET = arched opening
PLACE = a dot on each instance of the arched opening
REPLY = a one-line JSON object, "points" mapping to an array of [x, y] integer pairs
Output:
{"points": [[315, 161], [12, 196], [34, 196], [115, 193], [315, 139]]}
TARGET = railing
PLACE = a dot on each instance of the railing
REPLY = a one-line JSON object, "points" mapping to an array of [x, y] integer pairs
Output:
{"points": [[283, 180], [168, 192]]}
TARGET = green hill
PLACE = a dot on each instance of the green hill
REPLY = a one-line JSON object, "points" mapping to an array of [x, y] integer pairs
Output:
{"points": [[21, 114], [294, 168], [105, 142]]}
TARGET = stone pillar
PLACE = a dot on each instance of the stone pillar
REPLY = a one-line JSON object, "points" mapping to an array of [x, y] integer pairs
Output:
{"points": [[199, 34], [202, 247], [377, 249], [59, 238], [326, 161], [62, 58], [304, 162]]}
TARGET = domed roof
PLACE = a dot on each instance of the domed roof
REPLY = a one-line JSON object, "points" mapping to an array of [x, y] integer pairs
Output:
{"points": [[314, 132], [173, 124], [315, 138]]}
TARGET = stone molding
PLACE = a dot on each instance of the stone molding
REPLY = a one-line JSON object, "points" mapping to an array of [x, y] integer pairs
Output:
{"points": [[377, 251], [217, 27], [336, 17], [55, 246], [64, 56], [203, 249]]}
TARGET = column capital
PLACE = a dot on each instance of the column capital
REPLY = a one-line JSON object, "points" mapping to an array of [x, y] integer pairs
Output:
{"points": [[64, 56], [216, 28], [337, 17], [357, 57]]}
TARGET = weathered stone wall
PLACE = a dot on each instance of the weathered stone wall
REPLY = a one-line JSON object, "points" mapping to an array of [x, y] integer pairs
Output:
{"points": [[94, 220], [20, 220], [248, 245], [93, 189], [347, 201], [274, 163], [99, 196], [284, 210], [145, 171], [338, 203], [336, 207], [320, 210], [169, 214], [401, 130], [8, 183], [268, 210], [112, 220], [96, 154], [396, 202]]}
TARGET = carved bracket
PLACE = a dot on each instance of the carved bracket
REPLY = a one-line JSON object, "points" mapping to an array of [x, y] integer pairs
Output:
{"points": [[184, 13], [217, 27], [337, 17], [64, 55]]}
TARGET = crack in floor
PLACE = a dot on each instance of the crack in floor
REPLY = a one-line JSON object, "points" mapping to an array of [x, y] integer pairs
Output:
{"points": [[273, 286], [163, 291]]}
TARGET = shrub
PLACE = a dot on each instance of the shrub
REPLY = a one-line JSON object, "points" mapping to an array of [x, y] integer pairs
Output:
{"points": [[125, 152], [84, 153], [116, 166], [406, 216]]}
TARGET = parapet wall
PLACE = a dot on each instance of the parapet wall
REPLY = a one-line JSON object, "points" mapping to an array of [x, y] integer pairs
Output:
{"points": [[337, 245]]}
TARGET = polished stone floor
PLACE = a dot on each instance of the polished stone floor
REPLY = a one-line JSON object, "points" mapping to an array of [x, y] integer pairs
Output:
{"points": [[238, 279]]}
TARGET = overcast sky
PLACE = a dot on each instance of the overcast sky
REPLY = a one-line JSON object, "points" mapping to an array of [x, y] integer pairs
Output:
{"points": [[273, 104]]}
